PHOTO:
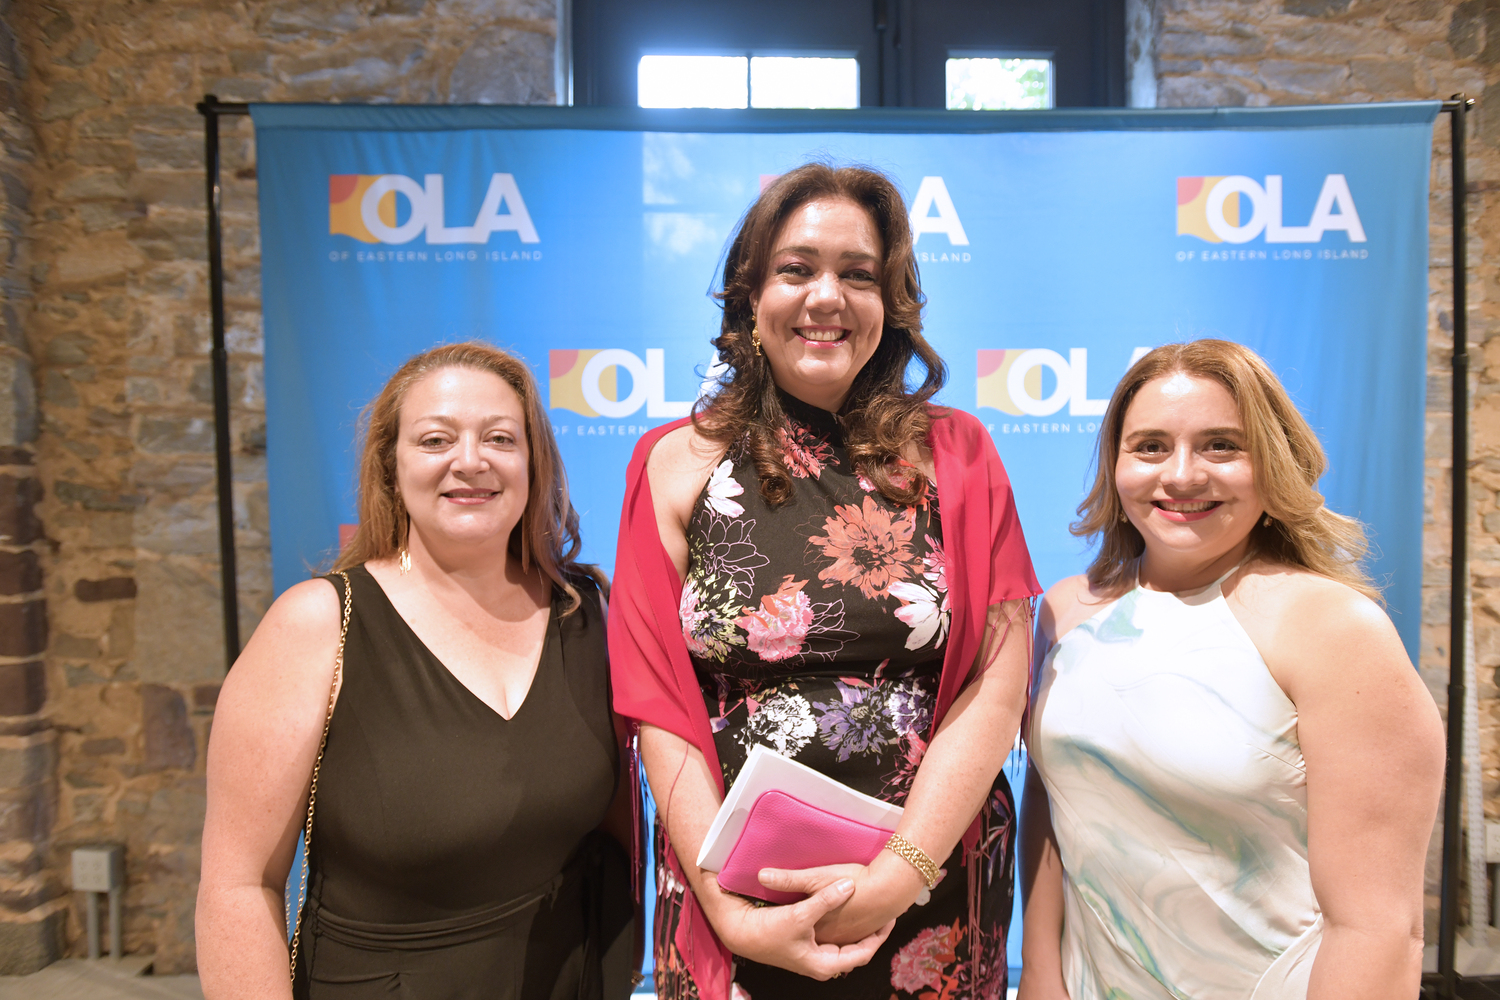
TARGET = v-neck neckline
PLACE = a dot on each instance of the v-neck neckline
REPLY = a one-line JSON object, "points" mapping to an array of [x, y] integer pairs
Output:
{"points": [[536, 673]]}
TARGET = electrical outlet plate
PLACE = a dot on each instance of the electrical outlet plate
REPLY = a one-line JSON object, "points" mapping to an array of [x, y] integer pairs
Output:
{"points": [[98, 869]]}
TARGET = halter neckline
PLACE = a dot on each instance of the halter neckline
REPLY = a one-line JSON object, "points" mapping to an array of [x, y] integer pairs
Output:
{"points": [[1193, 595]]}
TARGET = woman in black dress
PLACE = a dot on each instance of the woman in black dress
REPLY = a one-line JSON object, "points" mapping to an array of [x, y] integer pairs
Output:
{"points": [[471, 756], [851, 590]]}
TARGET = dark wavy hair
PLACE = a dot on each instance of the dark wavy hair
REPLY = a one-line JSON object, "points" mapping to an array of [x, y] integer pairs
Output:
{"points": [[883, 415]]}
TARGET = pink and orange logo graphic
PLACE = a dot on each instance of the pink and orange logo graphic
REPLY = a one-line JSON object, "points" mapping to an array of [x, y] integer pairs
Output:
{"points": [[1192, 207], [565, 390], [992, 386], [346, 193]]}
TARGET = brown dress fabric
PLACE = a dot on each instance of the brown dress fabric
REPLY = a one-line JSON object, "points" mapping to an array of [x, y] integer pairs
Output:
{"points": [[454, 852]]}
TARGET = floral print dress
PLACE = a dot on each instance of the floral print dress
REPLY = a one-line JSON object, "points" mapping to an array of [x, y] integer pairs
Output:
{"points": [[817, 629]]}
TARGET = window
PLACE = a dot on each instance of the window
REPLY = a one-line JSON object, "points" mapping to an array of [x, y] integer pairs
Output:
{"points": [[999, 83], [804, 82], [693, 82], [899, 51], [701, 81]]}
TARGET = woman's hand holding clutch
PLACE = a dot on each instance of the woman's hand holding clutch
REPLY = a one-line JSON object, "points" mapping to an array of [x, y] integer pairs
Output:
{"points": [[883, 890], [783, 936]]}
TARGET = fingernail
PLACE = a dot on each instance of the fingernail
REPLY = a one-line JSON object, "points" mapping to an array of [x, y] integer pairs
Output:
{"points": [[845, 885]]}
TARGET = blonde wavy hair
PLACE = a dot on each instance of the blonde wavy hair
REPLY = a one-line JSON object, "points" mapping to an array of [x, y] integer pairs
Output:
{"points": [[547, 534], [1284, 453]]}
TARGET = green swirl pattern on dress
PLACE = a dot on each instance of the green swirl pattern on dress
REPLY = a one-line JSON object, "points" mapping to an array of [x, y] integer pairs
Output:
{"points": [[1179, 801]]}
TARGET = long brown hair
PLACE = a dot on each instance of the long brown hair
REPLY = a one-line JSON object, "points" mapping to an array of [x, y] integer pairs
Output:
{"points": [[882, 417], [547, 534], [1284, 453]]}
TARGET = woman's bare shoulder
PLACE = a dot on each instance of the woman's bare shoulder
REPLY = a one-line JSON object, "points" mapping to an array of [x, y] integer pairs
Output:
{"points": [[274, 702], [311, 606], [297, 636], [1067, 604], [1290, 595], [1307, 626], [679, 465], [686, 450]]}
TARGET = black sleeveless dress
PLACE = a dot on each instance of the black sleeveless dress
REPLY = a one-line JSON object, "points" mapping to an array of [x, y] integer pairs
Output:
{"points": [[818, 629], [454, 852]]}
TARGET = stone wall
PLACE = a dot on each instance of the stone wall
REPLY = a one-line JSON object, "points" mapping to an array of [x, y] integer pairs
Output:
{"points": [[31, 907], [114, 303], [1276, 52]]}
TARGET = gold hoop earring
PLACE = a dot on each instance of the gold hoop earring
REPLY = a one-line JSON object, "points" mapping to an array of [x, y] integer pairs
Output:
{"points": [[1267, 521], [525, 545], [403, 559], [755, 335], [1123, 518]]}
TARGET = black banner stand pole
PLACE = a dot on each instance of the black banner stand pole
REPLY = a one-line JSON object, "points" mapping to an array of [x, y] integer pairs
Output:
{"points": [[210, 108], [1456, 108]]}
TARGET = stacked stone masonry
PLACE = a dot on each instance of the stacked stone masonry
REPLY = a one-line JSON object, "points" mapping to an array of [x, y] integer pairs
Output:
{"points": [[110, 644], [113, 302], [32, 903]]}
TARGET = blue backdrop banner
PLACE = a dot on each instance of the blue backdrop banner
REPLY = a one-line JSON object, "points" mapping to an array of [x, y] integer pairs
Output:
{"points": [[1053, 246]]}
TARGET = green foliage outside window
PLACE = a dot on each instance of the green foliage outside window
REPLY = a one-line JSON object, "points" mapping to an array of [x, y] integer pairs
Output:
{"points": [[990, 84]]}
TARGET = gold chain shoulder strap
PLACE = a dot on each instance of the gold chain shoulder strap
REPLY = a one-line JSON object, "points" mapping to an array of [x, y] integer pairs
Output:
{"points": [[312, 792]]}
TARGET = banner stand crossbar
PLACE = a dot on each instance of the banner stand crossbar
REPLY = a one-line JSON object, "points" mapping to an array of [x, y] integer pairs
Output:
{"points": [[1447, 980]]}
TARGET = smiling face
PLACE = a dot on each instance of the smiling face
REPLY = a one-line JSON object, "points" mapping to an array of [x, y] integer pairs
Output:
{"points": [[819, 310], [461, 459], [1184, 473]]}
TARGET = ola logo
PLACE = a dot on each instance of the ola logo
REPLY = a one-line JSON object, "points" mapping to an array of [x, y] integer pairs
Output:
{"points": [[588, 382], [364, 206], [1013, 381], [1237, 209], [1192, 212], [346, 193]]}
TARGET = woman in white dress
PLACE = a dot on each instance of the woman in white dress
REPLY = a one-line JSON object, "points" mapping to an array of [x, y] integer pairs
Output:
{"points": [[1234, 768]]}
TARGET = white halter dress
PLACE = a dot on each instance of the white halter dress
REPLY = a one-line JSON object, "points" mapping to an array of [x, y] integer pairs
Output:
{"points": [[1179, 801]]}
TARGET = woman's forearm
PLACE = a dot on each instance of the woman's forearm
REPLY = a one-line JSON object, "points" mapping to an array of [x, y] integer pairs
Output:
{"points": [[959, 768], [1372, 963], [952, 782], [686, 800], [241, 937], [950, 787], [970, 747]]}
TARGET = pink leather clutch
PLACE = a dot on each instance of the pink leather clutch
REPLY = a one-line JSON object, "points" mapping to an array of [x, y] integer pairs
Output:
{"points": [[785, 832]]}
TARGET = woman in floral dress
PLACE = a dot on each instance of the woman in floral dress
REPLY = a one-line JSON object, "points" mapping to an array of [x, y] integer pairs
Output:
{"points": [[821, 562]]}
